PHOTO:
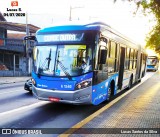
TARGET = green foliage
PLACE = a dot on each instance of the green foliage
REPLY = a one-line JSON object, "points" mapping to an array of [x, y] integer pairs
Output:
{"points": [[153, 39]]}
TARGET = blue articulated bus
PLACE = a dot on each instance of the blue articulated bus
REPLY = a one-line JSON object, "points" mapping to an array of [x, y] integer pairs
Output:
{"points": [[84, 63], [152, 63]]}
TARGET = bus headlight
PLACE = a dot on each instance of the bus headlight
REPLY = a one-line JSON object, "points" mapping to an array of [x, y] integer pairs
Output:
{"points": [[84, 84], [33, 81]]}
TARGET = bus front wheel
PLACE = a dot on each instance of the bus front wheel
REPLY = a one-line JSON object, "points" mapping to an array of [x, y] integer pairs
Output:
{"points": [[130, 83], [110, 91]]}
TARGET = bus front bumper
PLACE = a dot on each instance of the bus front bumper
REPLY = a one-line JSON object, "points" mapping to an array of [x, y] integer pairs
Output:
{"points": [[82, 96]]}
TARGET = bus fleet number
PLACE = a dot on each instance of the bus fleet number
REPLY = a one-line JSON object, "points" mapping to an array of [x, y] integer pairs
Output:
{"points": [[66, 86]]}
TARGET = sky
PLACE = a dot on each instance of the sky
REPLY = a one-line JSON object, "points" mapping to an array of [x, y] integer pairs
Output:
{"points": [[118, 15]]}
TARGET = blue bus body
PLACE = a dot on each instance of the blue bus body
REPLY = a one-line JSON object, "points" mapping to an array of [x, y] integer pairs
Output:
{"points": [[59, 52]]}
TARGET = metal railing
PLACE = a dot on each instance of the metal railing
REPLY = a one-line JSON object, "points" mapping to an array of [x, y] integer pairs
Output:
{"points": [[16, 45], [14, 42]]}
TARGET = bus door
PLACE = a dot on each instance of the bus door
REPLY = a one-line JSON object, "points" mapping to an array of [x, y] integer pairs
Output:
{"points": [[121, 67]]}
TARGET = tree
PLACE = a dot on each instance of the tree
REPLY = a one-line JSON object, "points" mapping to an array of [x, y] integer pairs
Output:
{"points": [[151, 7]]}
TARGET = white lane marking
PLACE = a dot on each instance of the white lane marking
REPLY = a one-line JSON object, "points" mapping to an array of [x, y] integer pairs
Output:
{"points": [[41, 103], [11, 91]]}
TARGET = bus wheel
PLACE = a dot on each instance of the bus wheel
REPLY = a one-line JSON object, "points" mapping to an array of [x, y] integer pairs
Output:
{"points": [[130, 83], [142, 74], [110, 91]]}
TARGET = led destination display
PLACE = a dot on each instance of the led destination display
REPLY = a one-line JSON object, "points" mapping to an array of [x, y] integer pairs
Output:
{"points": [[59, 37]]}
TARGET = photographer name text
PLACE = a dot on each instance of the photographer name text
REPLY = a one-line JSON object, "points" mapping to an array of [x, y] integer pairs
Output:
{"points": [[14, 12], [139, 132]]}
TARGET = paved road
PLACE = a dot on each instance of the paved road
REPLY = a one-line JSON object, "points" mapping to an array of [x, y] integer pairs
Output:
{"points": [[13, 96]]}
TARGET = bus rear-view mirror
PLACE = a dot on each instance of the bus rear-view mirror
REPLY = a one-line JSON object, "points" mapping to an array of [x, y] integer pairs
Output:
{"points": [[30, 38], [103, 56]]}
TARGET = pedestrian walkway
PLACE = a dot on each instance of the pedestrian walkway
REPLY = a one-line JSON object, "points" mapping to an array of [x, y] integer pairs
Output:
{"points": [[136, 114], [7, 80]]}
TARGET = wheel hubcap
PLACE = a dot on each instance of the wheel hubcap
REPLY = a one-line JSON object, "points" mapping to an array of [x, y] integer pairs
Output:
{"points": [[109, 93]]}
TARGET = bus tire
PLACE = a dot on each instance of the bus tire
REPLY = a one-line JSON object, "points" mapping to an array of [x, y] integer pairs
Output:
{"points": [[110, 91], [142, 74], [130, 82]]}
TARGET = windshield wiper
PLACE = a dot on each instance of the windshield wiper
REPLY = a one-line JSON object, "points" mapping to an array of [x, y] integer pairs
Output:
{"points": [[64, 69], [47, 60]]}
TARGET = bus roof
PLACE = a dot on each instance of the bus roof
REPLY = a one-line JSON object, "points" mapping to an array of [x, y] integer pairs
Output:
{"points": [[73, 27], [97, 26]]}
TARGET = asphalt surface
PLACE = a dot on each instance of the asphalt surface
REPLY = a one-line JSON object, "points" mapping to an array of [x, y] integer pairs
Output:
{"points": [[13, 96]]}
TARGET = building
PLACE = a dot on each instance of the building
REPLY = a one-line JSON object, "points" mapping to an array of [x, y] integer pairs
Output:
{"points": [[13, 61]]}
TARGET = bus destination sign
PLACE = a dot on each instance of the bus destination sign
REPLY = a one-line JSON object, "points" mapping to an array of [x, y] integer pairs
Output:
{"points": [[59, 37]]}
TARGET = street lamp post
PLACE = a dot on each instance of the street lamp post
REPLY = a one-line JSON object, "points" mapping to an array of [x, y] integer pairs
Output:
{"points": [[27, 47], [70, 12]]}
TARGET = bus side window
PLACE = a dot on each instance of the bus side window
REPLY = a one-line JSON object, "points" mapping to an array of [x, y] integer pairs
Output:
{"points": [[112, 57], [135, 59], [117, 58], [126, 67], [131, 59]]}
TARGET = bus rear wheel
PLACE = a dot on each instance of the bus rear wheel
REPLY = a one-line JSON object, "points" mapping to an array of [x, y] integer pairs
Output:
{"points": [[130, 83], [110, 91]]}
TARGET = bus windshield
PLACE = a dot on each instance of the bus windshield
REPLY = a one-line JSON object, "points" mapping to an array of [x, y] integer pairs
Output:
{"points": [[152, 61], [62, 60]]}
